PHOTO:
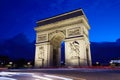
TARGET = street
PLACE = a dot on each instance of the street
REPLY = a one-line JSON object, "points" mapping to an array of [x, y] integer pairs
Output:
{"points": [[29, 76], [60, 74]]}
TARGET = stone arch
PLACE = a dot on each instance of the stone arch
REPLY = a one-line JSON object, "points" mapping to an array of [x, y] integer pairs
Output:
{"points": [[55, 42], [71, 27], [57, 38]]}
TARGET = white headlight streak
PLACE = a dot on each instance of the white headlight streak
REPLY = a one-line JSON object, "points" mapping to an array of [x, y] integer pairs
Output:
{"points": [[38, 76], [6, 78], [63, 78]]}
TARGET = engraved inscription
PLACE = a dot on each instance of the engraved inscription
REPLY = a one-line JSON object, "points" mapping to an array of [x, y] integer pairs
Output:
{"points": [[73, 32], [42, 37]]}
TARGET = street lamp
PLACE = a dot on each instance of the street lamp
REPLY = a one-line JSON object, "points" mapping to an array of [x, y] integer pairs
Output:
{"points": [[2, 63], [111, 62], [97, 63], [28, 63], [10, 63]]}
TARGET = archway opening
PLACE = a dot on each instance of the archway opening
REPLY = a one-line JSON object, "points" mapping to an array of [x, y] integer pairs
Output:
{"points": [[58, 50], [55, 57], [62, 53]]}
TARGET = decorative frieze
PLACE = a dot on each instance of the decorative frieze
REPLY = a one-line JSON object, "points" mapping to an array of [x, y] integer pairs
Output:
{"points": [[74, 32], [42, 38]]}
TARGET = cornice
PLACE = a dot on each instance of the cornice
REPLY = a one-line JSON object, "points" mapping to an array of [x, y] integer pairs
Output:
{"points": [[71, 14], [63, 23]]}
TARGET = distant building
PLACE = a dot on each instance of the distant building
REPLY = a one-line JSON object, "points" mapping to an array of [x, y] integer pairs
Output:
{"points": [[115, 62]]}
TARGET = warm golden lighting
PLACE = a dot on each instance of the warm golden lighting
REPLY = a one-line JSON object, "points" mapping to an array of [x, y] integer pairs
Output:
{"points": [[72, 28]]}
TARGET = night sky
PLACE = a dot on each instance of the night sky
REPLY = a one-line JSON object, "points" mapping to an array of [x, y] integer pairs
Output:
{"points": [[20, 16], [18, 19]]}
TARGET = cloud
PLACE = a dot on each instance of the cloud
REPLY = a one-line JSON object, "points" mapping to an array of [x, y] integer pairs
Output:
{"points": [[18, 16], [18, 47]]}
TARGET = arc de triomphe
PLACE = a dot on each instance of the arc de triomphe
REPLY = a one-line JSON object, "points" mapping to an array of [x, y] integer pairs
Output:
{"points": [[70, 28]]}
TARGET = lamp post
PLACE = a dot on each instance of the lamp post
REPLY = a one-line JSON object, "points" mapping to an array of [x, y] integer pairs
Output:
{"points": [[11, 64], [97, 63], [2, 64], [28, 63]]}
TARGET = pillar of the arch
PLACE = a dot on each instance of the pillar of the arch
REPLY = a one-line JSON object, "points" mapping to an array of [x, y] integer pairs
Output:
{"points": [[42, 55], [89, 55], [75, 52], [59, 58]]}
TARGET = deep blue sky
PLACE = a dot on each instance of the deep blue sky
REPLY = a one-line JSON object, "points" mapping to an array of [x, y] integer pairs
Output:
{"points": [[20, 16]]}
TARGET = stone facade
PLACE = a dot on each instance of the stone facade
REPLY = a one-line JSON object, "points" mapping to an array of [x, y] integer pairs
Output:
{"points": [[73, 30]]}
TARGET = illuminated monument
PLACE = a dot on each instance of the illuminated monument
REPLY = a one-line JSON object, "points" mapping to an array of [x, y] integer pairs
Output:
{"points": [[70, 28]]}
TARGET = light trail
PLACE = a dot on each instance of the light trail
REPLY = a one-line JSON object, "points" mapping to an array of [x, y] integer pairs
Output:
{"points": [[6, 75], [63, 78], [7, 78], [45, 78]]}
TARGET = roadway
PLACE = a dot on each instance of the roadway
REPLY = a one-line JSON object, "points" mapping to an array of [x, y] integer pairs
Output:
{"points": [[60, 74]]}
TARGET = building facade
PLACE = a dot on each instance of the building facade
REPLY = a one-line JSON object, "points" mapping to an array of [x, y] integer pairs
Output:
{"points": [[72, 28]]}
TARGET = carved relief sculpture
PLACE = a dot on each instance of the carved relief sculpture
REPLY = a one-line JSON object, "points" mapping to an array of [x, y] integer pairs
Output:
{"points": [[50, 35], [74, 47], [41, 52]]}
